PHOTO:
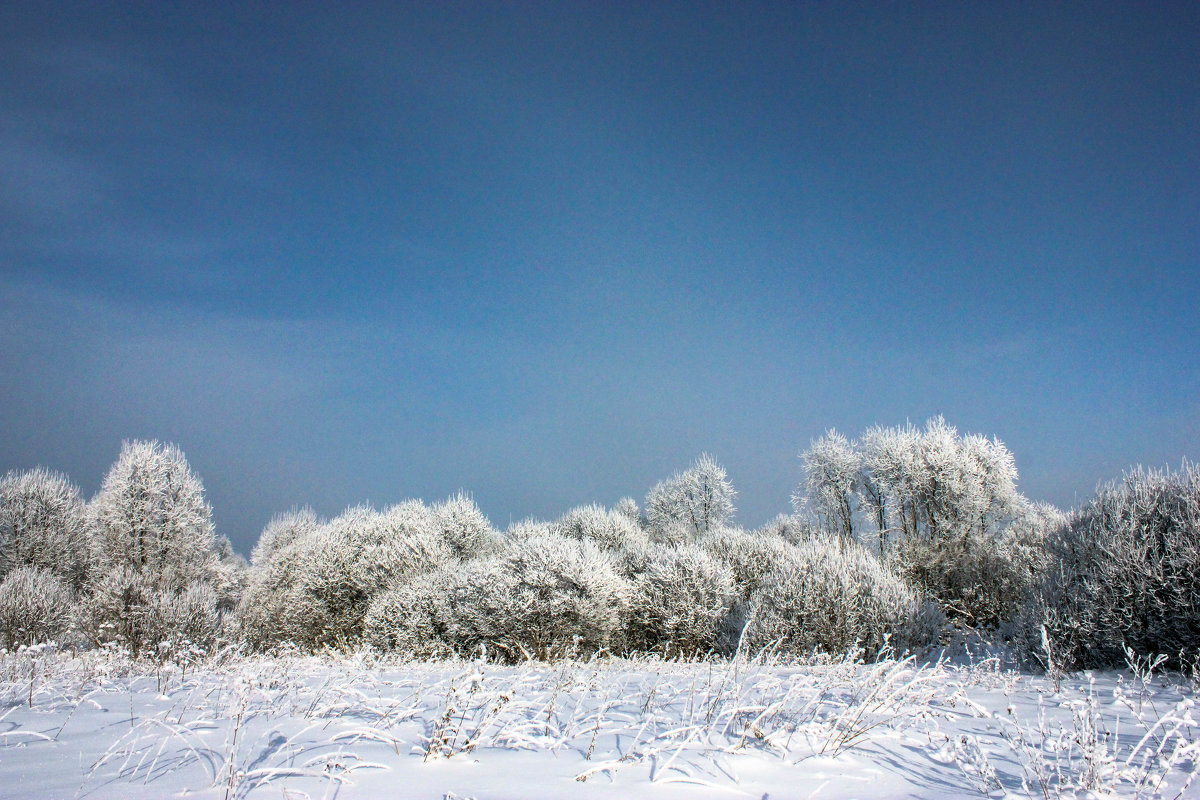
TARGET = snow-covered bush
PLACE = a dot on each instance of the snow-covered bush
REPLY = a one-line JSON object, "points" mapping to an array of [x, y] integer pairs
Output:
{"points": [[274, 607], [544, 596], [609, 530], [835, 596], [229, 575], [975, 578], [700, 498], [151, 515], [182, 620], [628, 508], [42, 524], [981, 580], [360, 554], [751, 557], [410, 619], [116, 608], [524, 529], [1124, 571], [313, 583], [466, 529], [792, 528], [35, 606], [283, 530], [125, 606], [681, 601]]}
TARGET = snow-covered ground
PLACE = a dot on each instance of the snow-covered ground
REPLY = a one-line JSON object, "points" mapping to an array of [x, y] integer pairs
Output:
{"points": [[92, 726]]}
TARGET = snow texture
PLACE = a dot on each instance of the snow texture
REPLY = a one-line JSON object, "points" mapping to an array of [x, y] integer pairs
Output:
{"points": [[96, 726]]}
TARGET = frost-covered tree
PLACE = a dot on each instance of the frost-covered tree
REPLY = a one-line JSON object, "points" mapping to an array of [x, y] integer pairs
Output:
{"points": [[930, 483], [42, 524], [1124, 571], [681, 602], [35, 606], [831, 467], [150, 515], [835, 596], [158, 560], [959, 485], [943, 509], [699, 499]]}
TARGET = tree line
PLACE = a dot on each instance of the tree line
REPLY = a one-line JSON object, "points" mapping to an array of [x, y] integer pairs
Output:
{"points": [[900, 537]]}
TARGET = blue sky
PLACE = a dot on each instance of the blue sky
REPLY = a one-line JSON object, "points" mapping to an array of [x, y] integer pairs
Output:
{"points": [[549, 253]]}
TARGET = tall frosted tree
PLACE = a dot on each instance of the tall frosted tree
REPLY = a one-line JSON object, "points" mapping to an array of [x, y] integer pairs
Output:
{"points": [[831, 468], [700, 499], [150, 515], [42, 525], [944, 507], [929, 483]]}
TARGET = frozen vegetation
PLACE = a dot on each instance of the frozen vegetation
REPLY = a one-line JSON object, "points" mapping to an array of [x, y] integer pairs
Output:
{"points": [[915, 627], [354, 725]]}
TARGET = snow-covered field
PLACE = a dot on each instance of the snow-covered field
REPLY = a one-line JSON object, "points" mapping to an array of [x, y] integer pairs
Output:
{"points": [[294, 726]]}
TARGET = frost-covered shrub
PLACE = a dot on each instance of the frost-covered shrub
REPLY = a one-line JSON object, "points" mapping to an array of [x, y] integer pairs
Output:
{"points": [[178, 621], [1125, 571], [229, 575], [749, 556], [410, 619], [980, 581], [526, 528], [627, 507], [466, 529], [543, 597], [35, 606], [117, 608], [124, 606], [284, 530], [42, 524], [680, 602], [316, 589], [835, 596], [672, 534], [700, 499], [151, 515], [361, 553], [632, 558], [609, 530], [274, 607], [792, 528]]}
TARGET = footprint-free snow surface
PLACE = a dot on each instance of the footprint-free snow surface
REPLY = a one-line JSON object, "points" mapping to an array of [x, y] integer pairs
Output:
{"points": [[93, 726]]}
